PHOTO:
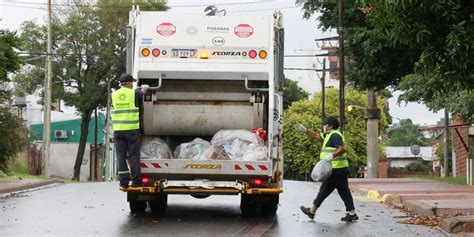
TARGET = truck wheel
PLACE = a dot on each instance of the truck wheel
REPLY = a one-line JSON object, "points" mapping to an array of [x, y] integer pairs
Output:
{"points": [[137, 207], [160, 203], [270, 204], [248, 206]]}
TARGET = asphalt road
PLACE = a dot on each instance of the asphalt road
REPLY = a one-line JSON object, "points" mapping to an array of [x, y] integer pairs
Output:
{"points": [[99, 209]]}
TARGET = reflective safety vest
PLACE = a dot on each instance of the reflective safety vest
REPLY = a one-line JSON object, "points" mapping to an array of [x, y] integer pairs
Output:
{"points": [[337, 162], [125, 115]]}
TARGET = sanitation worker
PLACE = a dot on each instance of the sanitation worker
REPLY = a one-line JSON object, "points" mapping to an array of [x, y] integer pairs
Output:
{"points": [[332, 150], [126, 104]]}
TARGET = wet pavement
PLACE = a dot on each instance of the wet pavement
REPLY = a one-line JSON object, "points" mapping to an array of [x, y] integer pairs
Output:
{"points": [[99, 209]]}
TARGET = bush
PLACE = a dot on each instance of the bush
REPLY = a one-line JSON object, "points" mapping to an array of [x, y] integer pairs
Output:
{"points": [[412, 167], [13, 138]]}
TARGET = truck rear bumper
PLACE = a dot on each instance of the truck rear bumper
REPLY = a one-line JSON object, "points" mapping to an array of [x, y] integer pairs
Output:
{"points": [[202, 187]]}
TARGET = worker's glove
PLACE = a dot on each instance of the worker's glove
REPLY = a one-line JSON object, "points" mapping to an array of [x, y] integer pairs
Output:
{"points": [[329, 158], [145, 86], [300, 127]]}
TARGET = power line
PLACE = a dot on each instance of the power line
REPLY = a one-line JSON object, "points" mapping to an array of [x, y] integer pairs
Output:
{"points": [[121, 6], [266, 9], [18, 6]]}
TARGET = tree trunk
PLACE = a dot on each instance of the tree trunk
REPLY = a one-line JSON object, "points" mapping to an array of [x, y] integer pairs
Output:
{"points": [[86, 118]]}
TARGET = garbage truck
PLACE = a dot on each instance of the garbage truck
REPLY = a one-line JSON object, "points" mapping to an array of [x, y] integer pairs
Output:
{"points": [[208, 75]]}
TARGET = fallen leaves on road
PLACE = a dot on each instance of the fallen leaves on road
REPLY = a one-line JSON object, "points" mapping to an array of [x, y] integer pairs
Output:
{"points": [[422, 220], [414, 219]]}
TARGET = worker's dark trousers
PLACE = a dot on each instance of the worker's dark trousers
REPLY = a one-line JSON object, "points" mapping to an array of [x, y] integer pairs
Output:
{"points": [[337, 180], [127, 146]]}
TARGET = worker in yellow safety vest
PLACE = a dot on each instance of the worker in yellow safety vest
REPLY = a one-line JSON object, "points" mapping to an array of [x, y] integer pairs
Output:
{"points": [[126, 104], [332, 150]]}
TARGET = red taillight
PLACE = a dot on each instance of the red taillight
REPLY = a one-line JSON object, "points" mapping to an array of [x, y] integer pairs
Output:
{"points": [[155, 52], [145, 180], [258, 182], [252, 53]]}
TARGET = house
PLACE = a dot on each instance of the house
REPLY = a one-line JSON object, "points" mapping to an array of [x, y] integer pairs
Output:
{"points": [[402, 156], [65, 137], [460, 144]]}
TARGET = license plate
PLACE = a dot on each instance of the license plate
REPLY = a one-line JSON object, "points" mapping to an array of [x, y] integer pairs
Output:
{"points": [[184, 53]]}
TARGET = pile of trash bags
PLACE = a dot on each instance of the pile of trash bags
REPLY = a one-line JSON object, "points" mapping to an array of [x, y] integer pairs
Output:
{"points": [[238, 145]]}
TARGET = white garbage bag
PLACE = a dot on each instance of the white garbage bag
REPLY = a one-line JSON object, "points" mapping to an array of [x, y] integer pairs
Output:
{"points": [[156, 149], [321, 171], [255, 152], [238, 145], [191, 150], [224, 136]]}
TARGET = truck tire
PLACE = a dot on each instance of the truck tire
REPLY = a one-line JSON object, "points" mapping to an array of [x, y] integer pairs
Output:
{"points": [[160, 203], [137, 207], [270, 204], [248, 205]]}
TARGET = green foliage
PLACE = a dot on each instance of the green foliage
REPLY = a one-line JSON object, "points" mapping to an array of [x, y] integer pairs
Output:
{"points": [[12, 131], [405, 133], [9, 59], [440, 153], [292, 92], [443, 31], [374, 61], [88, 51], [449, 180], [301, 152], [413, 167], [12, 139]]}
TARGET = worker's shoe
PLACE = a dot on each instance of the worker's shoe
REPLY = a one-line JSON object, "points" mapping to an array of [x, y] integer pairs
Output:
{"points": [[350, 217], [307, 211]]}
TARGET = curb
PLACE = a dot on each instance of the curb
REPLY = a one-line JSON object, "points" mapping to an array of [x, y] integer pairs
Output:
{"points": [[375, 195], [420, 208], [456, 225], [28, 187]]}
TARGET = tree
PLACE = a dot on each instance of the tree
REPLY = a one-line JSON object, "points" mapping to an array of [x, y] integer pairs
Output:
{"points": [[292, 92], [13, 136], [88, 51], [301, 152], [374, 60], [406, 133], [443, 31]]}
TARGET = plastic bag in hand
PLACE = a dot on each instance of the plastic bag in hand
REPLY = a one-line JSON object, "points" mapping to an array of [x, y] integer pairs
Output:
{"points": [[321, 171]]}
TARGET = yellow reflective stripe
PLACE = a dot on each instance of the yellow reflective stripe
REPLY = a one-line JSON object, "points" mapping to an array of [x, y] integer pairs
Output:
{"points": [[125, 121], [328, 149], [339, 159], [125, 111]]}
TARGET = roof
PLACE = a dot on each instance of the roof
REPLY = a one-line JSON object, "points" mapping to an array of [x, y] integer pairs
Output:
{"points": [[401, 152]]}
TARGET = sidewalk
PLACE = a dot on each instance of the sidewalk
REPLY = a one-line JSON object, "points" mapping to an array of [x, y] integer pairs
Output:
{"points": [[425, 198], [16, 185]]}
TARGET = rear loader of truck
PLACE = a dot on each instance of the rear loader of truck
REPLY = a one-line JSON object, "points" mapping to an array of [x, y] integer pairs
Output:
{"points": [[209, 77]]}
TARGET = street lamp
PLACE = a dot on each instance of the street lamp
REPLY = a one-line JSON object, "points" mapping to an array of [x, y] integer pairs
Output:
{"points": [[352, 107]]}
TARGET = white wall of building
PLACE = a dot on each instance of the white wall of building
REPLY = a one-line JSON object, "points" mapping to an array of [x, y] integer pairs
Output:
{"points": [[63, 158]]}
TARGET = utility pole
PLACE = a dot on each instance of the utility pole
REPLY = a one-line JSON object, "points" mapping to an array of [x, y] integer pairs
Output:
{"points": [[107, 135], [47, 101], [97, 160], [445, 147], [341, 65], [372, 115], [323, 95]]}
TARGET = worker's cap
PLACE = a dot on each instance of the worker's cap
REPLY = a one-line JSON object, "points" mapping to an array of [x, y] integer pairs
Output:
{"points": [[126, 78]]}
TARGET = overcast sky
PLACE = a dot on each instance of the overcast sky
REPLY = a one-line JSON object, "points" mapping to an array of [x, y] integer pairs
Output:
{"points": [[300, 35]]}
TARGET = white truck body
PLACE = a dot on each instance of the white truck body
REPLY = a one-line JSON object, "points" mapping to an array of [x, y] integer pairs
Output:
{"points": [[206, 74]]}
